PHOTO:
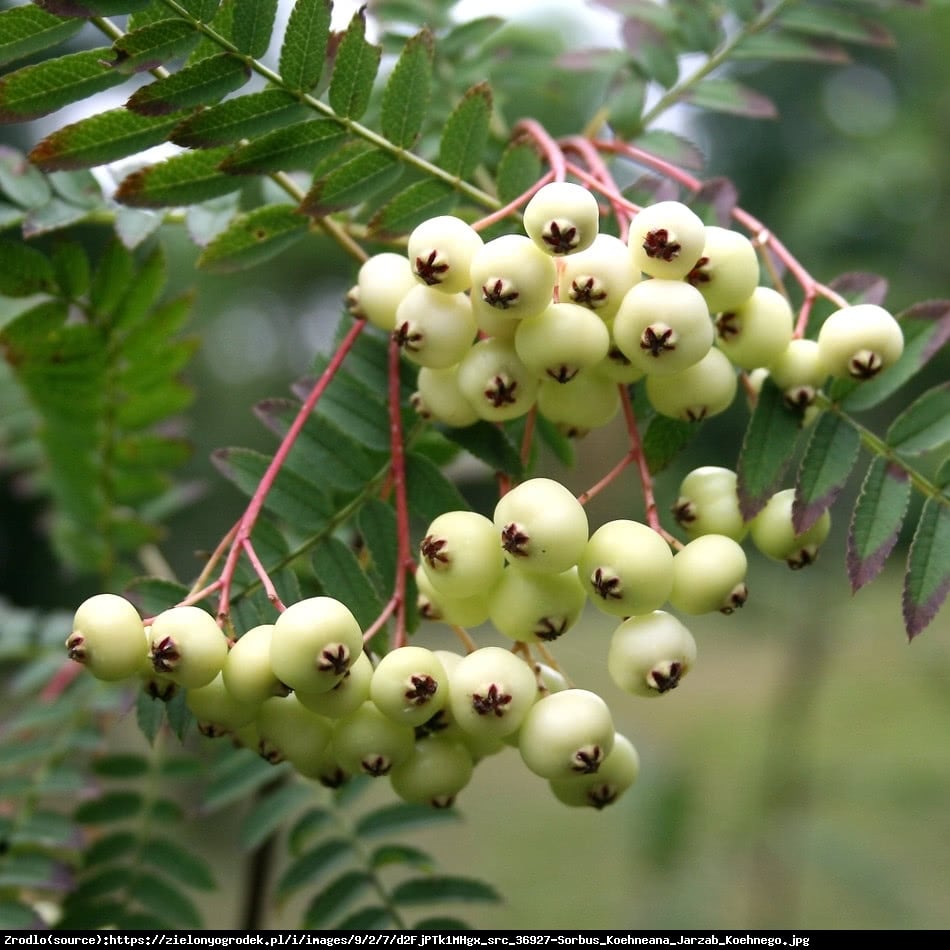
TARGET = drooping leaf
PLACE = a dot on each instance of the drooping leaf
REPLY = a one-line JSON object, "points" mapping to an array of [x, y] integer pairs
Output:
{"points": [[387, 854], [715, 201], [310, 823], [406, 96], [726, 95], [176, 907], [876, 521], [429, 492], [673, 147], [304, 49], [465, 133], [335, 897], [236, 776], [24, 270], [338, 570], [270, 812], [926, 329], [149, 715], [200, 84], [420, 201], [152, 45], [242, 117], [253, 25], [780, 46], [252, 238], [311, 865], [112, 806], [37, 90], [296, 500], [359, 171], [297, 146], [518, 170], [354, 70], [401, 816], [652, 50], [927, 581], [435, 888], [767, 448], [861, 287], [178, 863], [924, 424], [840, 24], [181, 180], [28, 29], [829, 457]]}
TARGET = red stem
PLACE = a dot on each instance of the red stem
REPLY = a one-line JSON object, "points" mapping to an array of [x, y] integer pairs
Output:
{"points": [[522, 199], [252, 512], [550, 150], [403, 555]]}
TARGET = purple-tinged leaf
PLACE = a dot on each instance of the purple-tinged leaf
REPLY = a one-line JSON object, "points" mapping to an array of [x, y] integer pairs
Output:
{"points": [[715, 201], [927, 581], [652, 50], [354, 70], [837, 24], [861, 287], [876, 521], [924, 424], [777, 46], [926, 328], [673, 148], [726, 95], [648, 189], [829, 457], [767, 447]]}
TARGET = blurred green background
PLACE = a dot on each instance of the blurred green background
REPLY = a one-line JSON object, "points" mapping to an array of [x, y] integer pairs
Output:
{"points": [[799, 778]]}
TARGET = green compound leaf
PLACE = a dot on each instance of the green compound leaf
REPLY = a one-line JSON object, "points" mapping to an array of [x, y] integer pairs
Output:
{"points": [[927, 581], [307, 826], [829, 457], [407, 92], [178, 863], [466, 132], [253, 25], [429, 890], [354, 70], [24, 270], [90, 8], [726, 95], [250, 239], [311, 865], [296, 500], [335, 897], [358, 172], [420, 201], [767, 448], [109, 847], [518, 170], [776, 46], [243, 117], [401, 816], [664, 439], [121, 765], [428, 491], [926, 329], [176, 907], [376, 524], [184, 179], [113, 806], [200, 84], [298, 146], [838, 24], [338, 570], [271, 811], [237, 775], [149, 715], [38, 90], [923, 425], [876, 521], [372, 917], [28, 29], [304, 49], [152, 45], [387, 854], [98, 139], [491, 445]]}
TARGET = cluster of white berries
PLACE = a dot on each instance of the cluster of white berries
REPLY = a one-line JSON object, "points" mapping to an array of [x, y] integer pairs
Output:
{"points": [[558, 316], [303, 690]]}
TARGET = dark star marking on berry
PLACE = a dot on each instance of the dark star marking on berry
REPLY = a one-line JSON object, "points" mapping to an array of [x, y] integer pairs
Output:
{"points": [[165, 656], [333, 779], [430, 269], [550, 628], [560, 241], [587, 761], [684, 512], [657, 243], [698, 275], [585, 295], [407, 338], [726, 326], [433, 550], [502, 392], [562, 374], [422, 688], [616, 355], [602, 796], [656, 342], [664, 682], [866, 366], [606, 585], [494, 702], [334, 659], [435, 724], [495, 295], [514, 539], [736, 600], [376, 765]]}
